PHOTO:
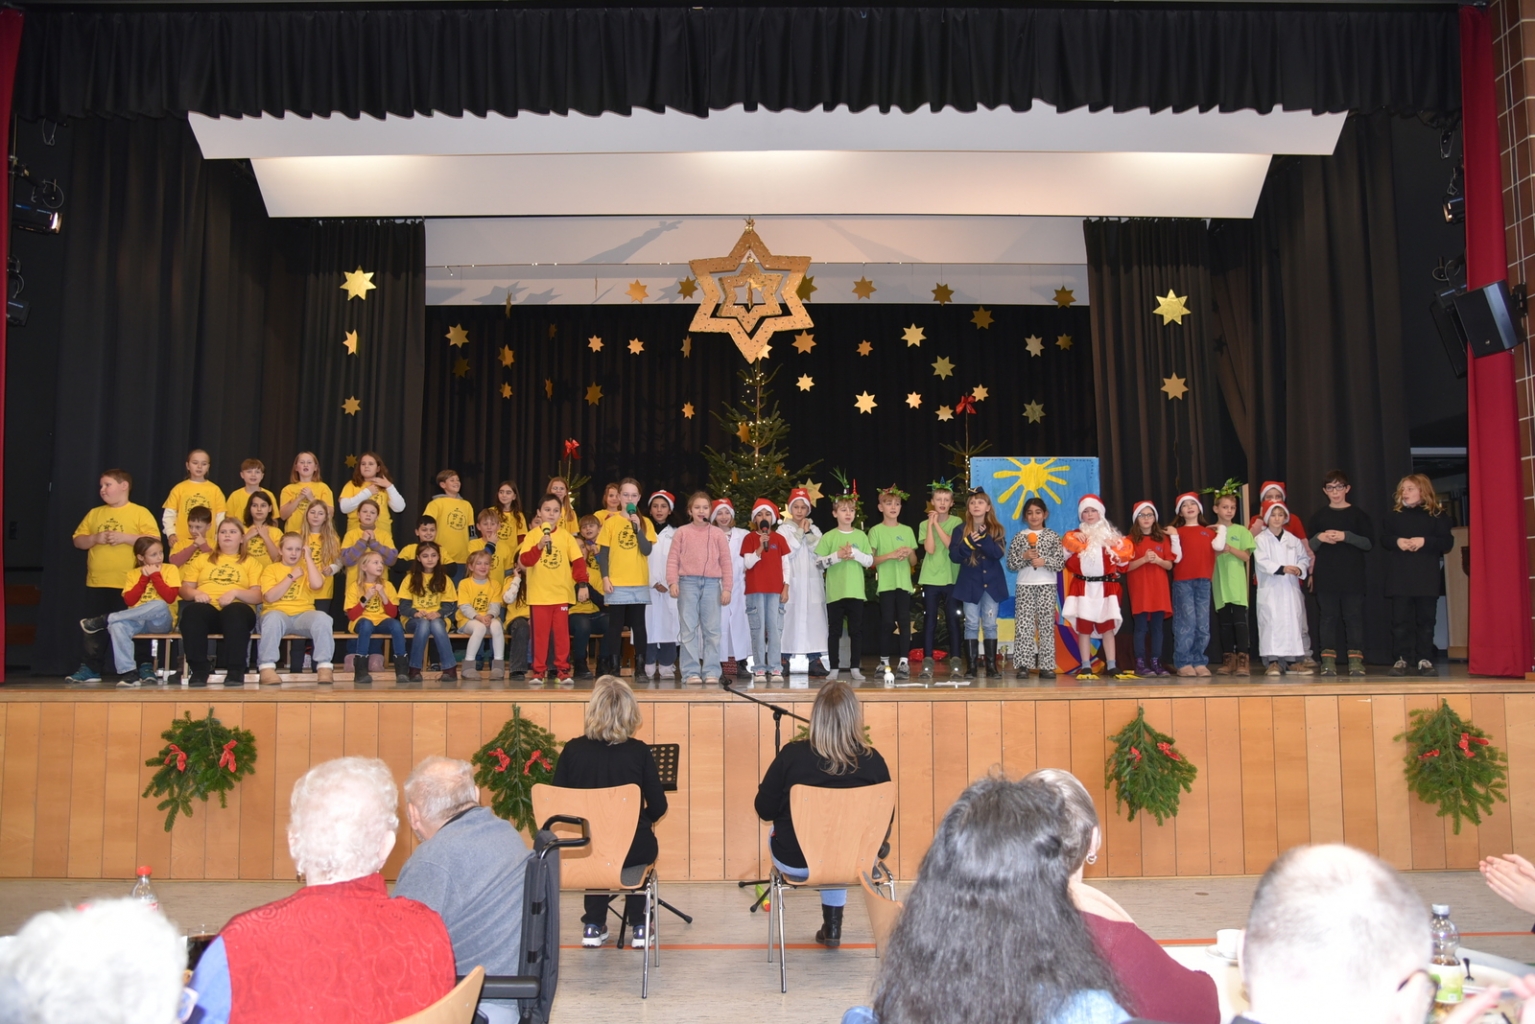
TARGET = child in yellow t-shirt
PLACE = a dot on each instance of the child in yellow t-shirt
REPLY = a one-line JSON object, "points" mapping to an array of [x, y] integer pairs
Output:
{"points": [[324, 546], [514, 597], [107, 535], [623, 556], [556, 578], [305, 486], [586, 616], [288, 590], [371, 480], [372, 605], [612, 504], [514, 525], [503, 554], [196, 545], [252, 471], [150, 592], [568, 521], [426, 532], [453, 515], [427, 601], [196, 491], [219, 594], [262, 534], [479, 615]]}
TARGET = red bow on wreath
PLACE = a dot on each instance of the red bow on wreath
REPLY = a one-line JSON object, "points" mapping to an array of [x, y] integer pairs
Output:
{"points": [[1466, 739], [1137, 754], [572, 448], [538, 755], [1429, 754], [965, 405], [179, 756], [500, 755], [1167, 748], [227, 758]]}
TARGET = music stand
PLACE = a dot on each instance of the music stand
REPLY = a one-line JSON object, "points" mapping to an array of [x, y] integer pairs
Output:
{"points": [[666, 756]]}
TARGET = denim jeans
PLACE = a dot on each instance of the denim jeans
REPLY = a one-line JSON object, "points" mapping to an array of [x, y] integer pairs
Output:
{"points": [[436, 629], [764, 614], [698, 608], [981, 615], [829, 897], [365, 630], [1191, 622], [316, 625], [123, 626]]}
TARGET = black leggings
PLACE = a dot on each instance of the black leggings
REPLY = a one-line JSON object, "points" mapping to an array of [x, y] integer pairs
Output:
{"points": [[895, 623], [1345, 611], [1412, 628], [1233, 623], [852, 608], [620, 615], [932, 593], [234, 623]]}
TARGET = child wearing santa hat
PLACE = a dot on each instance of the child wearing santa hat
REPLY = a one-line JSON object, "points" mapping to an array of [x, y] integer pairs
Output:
{"points": [[1195, 545], [804, 614], [1151, 599], [1281, 562], [735, 633], [1274, 490], [1096, 554], [1036, 556], [661, 621], [763, 552]]}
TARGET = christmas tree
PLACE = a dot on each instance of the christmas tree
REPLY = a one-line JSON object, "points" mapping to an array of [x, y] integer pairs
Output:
{"points": [[754, 468]]}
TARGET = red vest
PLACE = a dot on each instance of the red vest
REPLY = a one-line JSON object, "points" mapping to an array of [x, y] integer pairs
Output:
{"points": [[337, 954]]}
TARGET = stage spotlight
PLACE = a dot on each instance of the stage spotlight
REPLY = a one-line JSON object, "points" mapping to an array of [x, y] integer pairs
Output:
{"points": [[32, 217], [1455, 210]]}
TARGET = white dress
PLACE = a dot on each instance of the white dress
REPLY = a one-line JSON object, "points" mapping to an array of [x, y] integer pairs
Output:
{"points": [[804, 614], [1281, 603], [661, 623], [735, 631]]}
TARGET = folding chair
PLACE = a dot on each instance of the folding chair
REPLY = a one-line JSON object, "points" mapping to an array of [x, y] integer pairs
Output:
{"points": [[884, 909]]}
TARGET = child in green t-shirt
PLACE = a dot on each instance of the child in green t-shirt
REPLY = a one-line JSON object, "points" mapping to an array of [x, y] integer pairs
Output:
{"points": [[937, 577], [845, 553], [895, 553], [1230, 588]]}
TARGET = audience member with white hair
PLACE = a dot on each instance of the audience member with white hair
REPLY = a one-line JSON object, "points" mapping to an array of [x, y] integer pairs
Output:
{"points": [[107, 962], [339, 948], [469, 868]]}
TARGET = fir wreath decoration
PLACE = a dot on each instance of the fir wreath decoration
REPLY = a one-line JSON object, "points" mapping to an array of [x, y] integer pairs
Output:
{"points": [[522, 755], [1451, 764], [199, 757], [1146, 770]]}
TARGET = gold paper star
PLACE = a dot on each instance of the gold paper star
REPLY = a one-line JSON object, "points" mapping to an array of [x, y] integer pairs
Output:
{"points": [[506, 391], [553, 330], [457, 336], [594, 394], [351, 406], [1034, 411], [913, 336], [686, 287], [508, 357], [637, 292], [350, 344], [1175, 386], [864, 288], [687, 345], [945, 413], [864, 348], [460, 367], [865, 402], [1063, 342], [804, 341], [1064, 298], [981, 317], [351, 462], [687, 410], [943, 368], [548, 387], [1035, 344], [594, 343], [636, 346], [812, 490], [943, 294], [762, 353], [914, 400], [1171, 308], [358, 285], [744, 432], [980, 393], [806, 382], [805, 288]]}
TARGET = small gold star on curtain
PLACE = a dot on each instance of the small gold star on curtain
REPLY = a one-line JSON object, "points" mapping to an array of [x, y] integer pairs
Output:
{"points": [[553, 330], [806, 287], [864, 348], [945, 414], [1063, 342], [687, 287], [637, 292], [1171, 308], [508, 357], [460, 367], [943, 367], [980, 393], [506, 391], [914, 399], [351, 462], [865, 402], [594, 394], [981, 318], [812, 489], [1175, 386], [687, 345], [804, 341], [594, 343], [548, 388], [913, 336], [350, 344], [687, 410], [636, 346], [1034, 411], [864, 288], [457, 336], [806, 382], [1064, 298], [351, 406], [943, 294], [1035, 344], [358, 285]]}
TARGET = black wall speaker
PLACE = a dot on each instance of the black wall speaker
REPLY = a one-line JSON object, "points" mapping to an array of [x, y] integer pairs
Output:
{"points": [[1488, 320]]}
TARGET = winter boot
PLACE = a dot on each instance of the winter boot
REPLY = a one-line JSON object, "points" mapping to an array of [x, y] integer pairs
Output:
{"points": [[1244, 666], [1329, 663], [470, 671], [360, 670], [1356, 663], [1228, 665], [498, 670], [991, 660], [1158, 669], [830, 934], [1141, 669], [401, 668], [972, 658]]}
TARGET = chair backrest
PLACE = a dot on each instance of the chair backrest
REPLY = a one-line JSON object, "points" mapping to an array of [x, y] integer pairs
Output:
{"points": [[884, 912], [457, 1007], [666, 755], [840, 830], [613, 814]]}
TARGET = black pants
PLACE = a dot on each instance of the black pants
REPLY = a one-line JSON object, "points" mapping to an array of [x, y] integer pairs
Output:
{"points": [[1347, 611], [582, 627], [932, 594], [894, 624], [643, 850], [850, 608], [233, 623], [99, 601], [1234, 634], [1412, 628], [619, 616]]}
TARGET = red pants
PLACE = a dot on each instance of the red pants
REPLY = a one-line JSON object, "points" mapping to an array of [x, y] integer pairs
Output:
{"points": [[555, 618]]}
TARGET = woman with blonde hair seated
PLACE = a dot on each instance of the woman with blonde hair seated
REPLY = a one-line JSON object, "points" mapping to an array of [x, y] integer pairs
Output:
{"points": [[608, 755], [836, 756]]}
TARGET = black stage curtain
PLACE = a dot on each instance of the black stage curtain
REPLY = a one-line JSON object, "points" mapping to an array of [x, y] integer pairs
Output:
{"points": [[131, 62], [638, 428], [1153, 444]]}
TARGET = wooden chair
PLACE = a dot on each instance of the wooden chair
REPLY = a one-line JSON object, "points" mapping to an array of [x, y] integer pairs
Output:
{"points": [[613, 814], [884, 910], [457, 1007], [840, 832]]}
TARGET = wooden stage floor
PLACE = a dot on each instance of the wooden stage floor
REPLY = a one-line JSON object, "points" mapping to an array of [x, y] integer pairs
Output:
{"points": [[1280, 764]]}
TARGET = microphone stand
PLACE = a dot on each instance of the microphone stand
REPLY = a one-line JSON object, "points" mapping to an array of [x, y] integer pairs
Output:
{"points": [[779, 714]]}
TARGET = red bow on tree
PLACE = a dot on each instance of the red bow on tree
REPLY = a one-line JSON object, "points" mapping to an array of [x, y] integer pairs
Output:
{"points": [[538, 755], [965, 405], [1466, 739], [1429, 754], [227, 758], [1167, 748], [500, 755], [1137, 753], [179, 756], [572, 448]]}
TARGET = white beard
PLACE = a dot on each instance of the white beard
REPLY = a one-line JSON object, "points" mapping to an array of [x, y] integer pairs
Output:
{"points": [[1101, 534]]}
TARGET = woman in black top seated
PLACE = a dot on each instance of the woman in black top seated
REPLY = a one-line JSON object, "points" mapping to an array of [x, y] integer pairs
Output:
{"points": [[835, 756], [608, 755]]}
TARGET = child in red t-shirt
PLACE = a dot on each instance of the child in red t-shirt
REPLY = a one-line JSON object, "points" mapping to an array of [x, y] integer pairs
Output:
{"points": [[1150, 596], [1195, 544], [763, 551]]}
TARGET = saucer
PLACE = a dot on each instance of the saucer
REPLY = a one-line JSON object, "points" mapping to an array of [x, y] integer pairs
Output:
{"points": [[1215, 951]]}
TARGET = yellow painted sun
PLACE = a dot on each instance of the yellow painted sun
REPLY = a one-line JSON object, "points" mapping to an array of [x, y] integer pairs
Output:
{"points": [[1029, 479]]}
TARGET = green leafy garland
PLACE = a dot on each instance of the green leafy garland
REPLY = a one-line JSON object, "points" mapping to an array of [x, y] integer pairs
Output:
{"points": [[522, 755], [1452, 764], [1146, 770], [199, 758]]}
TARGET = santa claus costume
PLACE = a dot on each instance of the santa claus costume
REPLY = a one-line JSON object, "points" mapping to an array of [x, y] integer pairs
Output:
{"points": [[1095, 555], [1281, 602]]}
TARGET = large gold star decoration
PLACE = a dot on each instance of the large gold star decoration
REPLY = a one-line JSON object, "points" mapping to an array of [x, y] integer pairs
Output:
{"points": [[913, 336], [1171, 308], [686, 287], [351, 462], [636, 346], [1064, 298], [687, 410], [1175, 386], [594, 343], [1034, 411], [351, 406], [687, 345], [980, 393], [1035, 344], [358, 285], [806, 382], [804, 341], [594, 394], [943, 367], [506, 391], [744, 432], [806, 287], [457, 336], [981, 318], [864, 288], [350, 344], [1063, 342], [769, 285], [865, 402], [548, 387], [508, 357], [812, 489], [460, 367], [945, 413], [943, 294], [637, 292], [864, 348], [914, 399]]}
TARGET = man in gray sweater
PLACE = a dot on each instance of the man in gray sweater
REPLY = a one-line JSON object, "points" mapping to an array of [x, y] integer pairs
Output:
{"points": [[469, 868]]}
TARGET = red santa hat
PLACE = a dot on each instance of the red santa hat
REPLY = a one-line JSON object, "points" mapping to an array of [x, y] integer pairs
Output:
{"points": [[1273, 485], [1091, 501], [1270, 506], [763, 503], [800, 494], [667, 496], [1188, 496], [1141, 506], [720, 503]]}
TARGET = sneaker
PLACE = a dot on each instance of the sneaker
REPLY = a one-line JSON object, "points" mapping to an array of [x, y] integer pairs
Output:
{"points": [[84, 674], [817, 669], [147, 673], [637, 937], [95, 624], [831, 674], [130, 681], [1399, 667], [927, 670], [903, 669], [759, 679], [1272, 669], [594, 935], [777, 678], [568, 681], [1427, 668], [855, 675]]}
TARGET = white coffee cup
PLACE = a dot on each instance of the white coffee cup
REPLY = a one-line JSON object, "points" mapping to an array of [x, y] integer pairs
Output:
{"points": [[1227, 941]]}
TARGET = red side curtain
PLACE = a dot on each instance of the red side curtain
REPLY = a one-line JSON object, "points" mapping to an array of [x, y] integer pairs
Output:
{"points": [[10, 46], [1500, 629]]}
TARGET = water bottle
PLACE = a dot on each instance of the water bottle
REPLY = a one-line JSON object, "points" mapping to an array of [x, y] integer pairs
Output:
{"points": [[1445, 968], [144, 892]]}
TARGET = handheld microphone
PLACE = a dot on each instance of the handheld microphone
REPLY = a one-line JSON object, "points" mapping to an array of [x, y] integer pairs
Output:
{"points": [[629, 508]]}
